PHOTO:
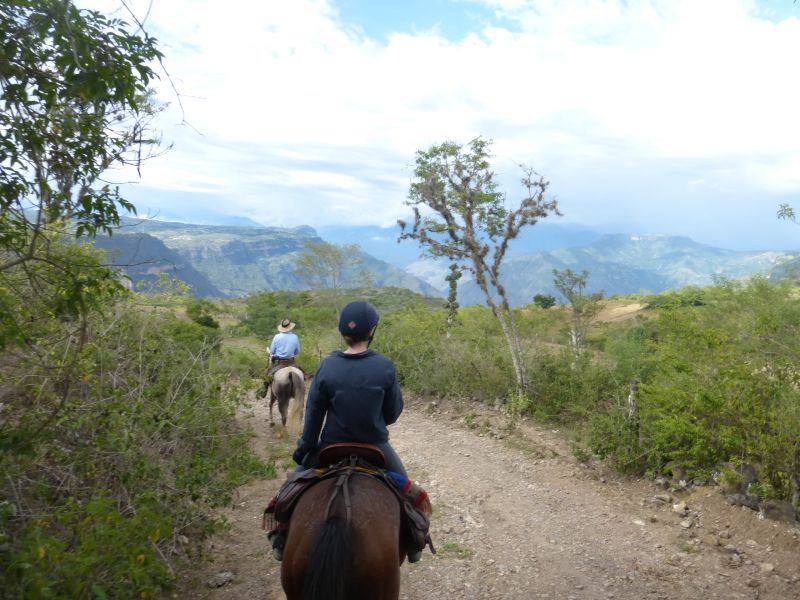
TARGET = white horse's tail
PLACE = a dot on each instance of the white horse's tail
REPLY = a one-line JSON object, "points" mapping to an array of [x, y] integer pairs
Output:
{"points": [[294, 416]]}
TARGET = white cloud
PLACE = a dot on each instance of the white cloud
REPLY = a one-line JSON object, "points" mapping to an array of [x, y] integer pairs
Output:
{"points": [[293, 103]]}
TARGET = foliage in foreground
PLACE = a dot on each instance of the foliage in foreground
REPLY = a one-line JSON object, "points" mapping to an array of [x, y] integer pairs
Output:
{"points": [[116, 439], [116, 424], [75, 103]]}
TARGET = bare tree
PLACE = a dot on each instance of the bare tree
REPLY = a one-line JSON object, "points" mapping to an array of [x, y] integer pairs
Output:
{"points": [[584, 306], [459, 214]]}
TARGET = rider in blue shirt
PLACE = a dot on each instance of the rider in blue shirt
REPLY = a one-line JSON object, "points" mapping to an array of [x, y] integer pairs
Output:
{"points": [[282, 351], [285, 345]]}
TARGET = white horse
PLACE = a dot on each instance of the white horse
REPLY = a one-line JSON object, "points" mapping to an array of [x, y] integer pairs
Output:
{"points": [[288, 389]]}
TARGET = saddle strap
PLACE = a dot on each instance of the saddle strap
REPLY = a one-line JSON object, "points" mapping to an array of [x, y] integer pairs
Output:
{"points": [[342, 485]]}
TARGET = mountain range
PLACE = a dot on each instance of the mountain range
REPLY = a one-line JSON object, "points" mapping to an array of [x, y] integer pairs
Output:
{"points": [[235, 260], [625, 264], [383, 241]]}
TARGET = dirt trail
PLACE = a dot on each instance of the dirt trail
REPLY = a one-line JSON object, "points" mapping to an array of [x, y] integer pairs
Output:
{"points": [[516, 516]]}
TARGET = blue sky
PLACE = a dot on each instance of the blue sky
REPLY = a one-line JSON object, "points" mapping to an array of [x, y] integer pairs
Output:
{"points": [[647, 116], [452, 20]]}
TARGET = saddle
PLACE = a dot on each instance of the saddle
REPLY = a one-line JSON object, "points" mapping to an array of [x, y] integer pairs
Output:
{"points": [[277, 364], [336, 453], [342, 460]]}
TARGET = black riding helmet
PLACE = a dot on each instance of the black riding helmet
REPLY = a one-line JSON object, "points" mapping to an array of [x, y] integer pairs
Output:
{"points": [[357, 319]]}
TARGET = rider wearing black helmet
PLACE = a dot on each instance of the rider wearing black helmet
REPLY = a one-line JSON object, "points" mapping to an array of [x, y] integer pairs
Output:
{"points": [[356, 389], [353, 397]]}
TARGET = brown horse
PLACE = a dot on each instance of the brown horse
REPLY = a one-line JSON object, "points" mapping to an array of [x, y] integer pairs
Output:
{"points": [[351, 554]]}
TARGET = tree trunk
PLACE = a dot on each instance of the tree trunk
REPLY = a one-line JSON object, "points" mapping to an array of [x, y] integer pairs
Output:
{"points": [[515, 336], [513, 348], [480, 279], [633, 406]]}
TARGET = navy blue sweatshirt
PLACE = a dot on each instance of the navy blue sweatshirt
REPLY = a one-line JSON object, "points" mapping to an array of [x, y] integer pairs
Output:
{"points": [[359, 394]]}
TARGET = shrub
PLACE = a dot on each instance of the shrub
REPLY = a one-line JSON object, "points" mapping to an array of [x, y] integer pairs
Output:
{"points": [[200, 311], [544, 301], [467, 360], [719, 384], [108, 463]]}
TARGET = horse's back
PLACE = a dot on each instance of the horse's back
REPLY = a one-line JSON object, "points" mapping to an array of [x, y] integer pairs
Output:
{"points": [[289, 378], [373, 557]]}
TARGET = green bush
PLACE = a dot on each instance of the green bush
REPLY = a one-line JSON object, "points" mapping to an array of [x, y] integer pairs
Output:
{"points": [[544, 301], [266, 309], [566, 389], [468, 360], [719, 384], [201, 312], [130, 447], [91, 550], [613, 435]]}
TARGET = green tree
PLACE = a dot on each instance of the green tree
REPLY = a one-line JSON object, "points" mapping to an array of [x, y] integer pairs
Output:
{"points": [[544, 301], [460, 214], [202, 312], [127, 436], [328, 266], [75, 104], [584, 306], [786, 211]]}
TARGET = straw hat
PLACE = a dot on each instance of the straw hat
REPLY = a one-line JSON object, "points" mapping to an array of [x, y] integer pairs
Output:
{"points": [[285, 325]]}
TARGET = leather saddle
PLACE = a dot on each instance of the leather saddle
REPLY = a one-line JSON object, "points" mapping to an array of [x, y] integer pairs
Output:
{"points": [[344, 457], [342, 451]]}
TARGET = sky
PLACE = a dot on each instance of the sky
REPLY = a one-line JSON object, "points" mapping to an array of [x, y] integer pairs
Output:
{"points": [[646, 116]]}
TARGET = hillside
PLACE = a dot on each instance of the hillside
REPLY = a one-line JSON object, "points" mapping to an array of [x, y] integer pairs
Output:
{"points": [[789, 269], [625, 264], [383, 243], [143, 257], [233, 260], [237, 260]]}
